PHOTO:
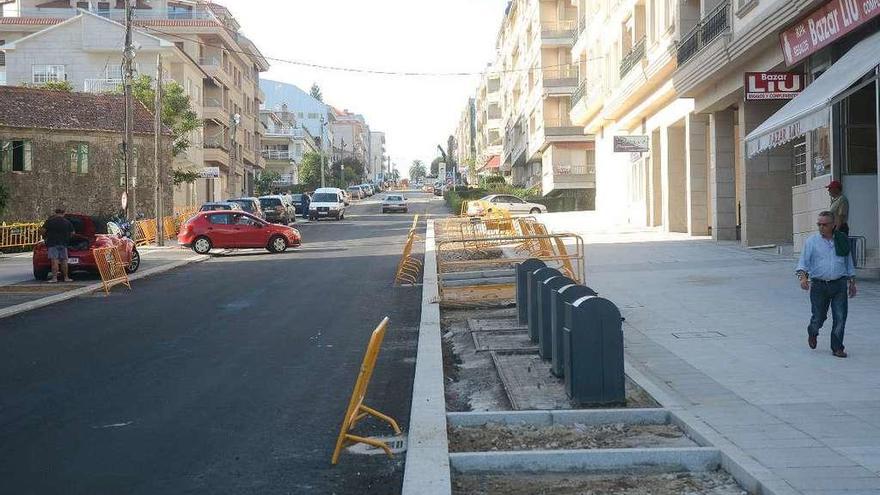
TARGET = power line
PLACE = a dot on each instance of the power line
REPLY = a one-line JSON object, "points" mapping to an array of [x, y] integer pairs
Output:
{"points": [[360, 70]]}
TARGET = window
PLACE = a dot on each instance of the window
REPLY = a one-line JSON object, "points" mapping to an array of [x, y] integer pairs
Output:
{"points": [[2, 54], [48, 73], [858, 115], [16, 156], [79, 158], [220, 219]]}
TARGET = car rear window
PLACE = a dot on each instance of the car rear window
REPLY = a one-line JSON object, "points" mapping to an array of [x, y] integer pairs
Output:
{"points": [[325, 198], [220, 218], [393, 198], [270, 202], [297, 197]]}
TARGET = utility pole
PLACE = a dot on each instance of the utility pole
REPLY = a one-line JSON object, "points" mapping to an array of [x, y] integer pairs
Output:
{"points": [[323, 145], [159, 175], [128, 145]]}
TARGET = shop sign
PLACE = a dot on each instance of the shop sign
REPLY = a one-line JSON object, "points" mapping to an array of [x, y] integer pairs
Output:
{"points": [[631, 144], [773, 85], [825, 25], [209, 173]]}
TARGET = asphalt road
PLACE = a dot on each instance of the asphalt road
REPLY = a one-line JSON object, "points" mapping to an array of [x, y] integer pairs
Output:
{"points": [[228, 376]]}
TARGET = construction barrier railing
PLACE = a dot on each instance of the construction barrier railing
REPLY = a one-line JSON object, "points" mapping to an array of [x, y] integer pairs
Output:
{"points": [[19, 235], [111, 268], [356, 410], [409, 268]]}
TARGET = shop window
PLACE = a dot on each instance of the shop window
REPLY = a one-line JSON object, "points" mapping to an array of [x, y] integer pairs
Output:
{"points": [[820, 151], [16, 156], [858, 115], [799, 161], [79, 158]]}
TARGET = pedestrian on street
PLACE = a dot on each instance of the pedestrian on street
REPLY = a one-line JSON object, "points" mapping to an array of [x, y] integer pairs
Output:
{"points": [[839, 206], [306, 201], [57, 231], [826, 270]]}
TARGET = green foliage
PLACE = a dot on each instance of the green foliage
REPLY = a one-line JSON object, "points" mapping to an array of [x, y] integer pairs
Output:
{"points": [[58, 86], [435, 166], [310, 170], [353, 169], [315, 92], [4, 198], [492, 180], [179, 177], [177, 112], [264, 182], [417, 170]]}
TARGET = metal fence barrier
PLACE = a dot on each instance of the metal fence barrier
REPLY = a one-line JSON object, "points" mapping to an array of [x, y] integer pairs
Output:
{"points": [[19, 235], [111, 268]]}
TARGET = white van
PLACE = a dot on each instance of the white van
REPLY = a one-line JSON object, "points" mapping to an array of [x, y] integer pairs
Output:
{"points": [[345, 196], [327, 202]]}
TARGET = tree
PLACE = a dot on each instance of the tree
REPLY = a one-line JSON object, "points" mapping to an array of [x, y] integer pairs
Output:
{"points": [[353, 169], [417, 170], [316, 92], [310, 170], [265, 181], [435, 166]]}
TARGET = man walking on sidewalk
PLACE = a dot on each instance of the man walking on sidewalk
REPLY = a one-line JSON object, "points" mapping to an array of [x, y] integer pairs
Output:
{"points": [[57, 230], [839, 206], [826, 270]]}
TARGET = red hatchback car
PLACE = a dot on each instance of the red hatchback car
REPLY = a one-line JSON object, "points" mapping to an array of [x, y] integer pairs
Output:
{"points": [[89, 234], [235, 229]]}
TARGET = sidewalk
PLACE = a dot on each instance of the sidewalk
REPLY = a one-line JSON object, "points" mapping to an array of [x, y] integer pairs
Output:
{"points": [[723, 330]]}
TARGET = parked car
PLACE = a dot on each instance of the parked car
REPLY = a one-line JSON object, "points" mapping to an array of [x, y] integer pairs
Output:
{"points": [[298, 203], [346, 197], [220, 205], [356, 192], [235, 229], [277, 210], [250, 205], [514, 205], [369, 189], [327, 205], [394, 202], [89, 233]]}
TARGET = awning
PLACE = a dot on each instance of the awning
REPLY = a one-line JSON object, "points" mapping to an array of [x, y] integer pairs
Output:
{"points": [[493, 162], [811, 109]]}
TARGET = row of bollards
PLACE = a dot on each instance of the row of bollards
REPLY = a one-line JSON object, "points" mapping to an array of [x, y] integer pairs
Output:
{"points": [[579, 332]]}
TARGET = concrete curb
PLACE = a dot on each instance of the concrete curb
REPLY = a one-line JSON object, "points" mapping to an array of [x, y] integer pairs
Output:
{"points": [[596, 460], [588, 417], [427, 457], [64, 296], [751, 475]]}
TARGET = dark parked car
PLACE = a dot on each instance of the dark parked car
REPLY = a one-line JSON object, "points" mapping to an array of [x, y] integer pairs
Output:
{"points": [[250, 205], [220, 205], [298, 203], [276, 209]]}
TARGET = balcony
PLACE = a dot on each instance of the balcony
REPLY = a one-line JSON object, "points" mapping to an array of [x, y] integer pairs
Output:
{"points": [[563, 77], [705, 32], [559, 33], [259, 94], [567, 176], [102, 85], [213, 109], [636, 55], [562, 128], [217, 150], [279, 155]]}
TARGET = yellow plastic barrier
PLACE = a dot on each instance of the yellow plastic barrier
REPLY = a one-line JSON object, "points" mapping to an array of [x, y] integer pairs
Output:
{"points": [[111, 267], [19, 235], [409, 268], [415, 225], [356, 409]]}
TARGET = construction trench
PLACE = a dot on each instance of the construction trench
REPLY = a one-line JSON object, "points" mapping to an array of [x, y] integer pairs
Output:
{"points": [[510, 423]]}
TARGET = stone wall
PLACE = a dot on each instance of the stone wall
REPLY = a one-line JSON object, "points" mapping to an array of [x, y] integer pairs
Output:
{"points": [[35, 194]]}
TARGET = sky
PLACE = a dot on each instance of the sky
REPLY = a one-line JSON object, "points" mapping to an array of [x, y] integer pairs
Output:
{"points": [[417, 112]]}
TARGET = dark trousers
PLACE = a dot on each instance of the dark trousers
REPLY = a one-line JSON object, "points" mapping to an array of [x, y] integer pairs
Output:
{"points": [[822, 295]]}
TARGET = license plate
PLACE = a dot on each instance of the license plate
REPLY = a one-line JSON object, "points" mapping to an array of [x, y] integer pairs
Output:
{"points": [[72, 261], [323, 213]]}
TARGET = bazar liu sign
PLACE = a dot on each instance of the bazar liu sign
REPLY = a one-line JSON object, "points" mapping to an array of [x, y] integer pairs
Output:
{"points": [[825, 25], [773, 85]]}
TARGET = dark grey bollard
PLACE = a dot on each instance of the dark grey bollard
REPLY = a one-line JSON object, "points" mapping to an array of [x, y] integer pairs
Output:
{"points": [[594, 360], [545, 312], [538, 276], [522, 282], [558, 300]]}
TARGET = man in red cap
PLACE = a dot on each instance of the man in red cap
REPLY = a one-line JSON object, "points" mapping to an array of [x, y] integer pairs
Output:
{"points": [[839, 206]]}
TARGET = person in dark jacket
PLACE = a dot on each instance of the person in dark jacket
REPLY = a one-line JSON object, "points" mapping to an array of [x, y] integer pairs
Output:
{"points": [[57, 231], [306, 200]]}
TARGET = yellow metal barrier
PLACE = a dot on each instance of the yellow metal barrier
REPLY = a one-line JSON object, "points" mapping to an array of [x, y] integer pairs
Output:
{"points": [[19, 235], [111, 268], [356, 409], [409, 268]]}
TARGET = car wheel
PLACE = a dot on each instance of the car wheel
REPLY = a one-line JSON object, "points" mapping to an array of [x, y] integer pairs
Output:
{"points": [[277, 244], [535, 211], [41, 274], [202, 245], [135, 261]]}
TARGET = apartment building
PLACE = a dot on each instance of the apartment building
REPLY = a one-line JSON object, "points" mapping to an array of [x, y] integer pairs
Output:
{"points": [[351, 136], [466, 137], [314, 115], [378, 155], [202, 49], [284, 144], [541, 146], [488, 128]]}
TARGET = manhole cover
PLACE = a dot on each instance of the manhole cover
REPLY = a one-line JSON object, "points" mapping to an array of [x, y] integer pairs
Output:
{"points": [[396, 444], [698, 335]]}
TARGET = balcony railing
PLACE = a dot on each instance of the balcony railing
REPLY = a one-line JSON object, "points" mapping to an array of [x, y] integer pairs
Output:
{"points": [[102, 85], [209, 61], [709, 28], [579, 93], [632, 58], [216, 143], [564, 169], [278, 155], [214, 103], [568, 71], [559, 28]]}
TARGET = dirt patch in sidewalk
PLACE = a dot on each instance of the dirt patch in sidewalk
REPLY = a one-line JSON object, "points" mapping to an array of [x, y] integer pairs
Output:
{"points": [[708, 483], [498, 437]]}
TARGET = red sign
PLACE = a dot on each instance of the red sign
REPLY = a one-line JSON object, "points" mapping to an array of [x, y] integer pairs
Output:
{"points": [[773, 85], [825, 25]]}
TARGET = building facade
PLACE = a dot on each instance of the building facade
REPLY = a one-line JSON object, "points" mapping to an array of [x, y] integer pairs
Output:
{"points": [[314, 115], [378, 156], [487, 124], [60, 149], [285, 142]]}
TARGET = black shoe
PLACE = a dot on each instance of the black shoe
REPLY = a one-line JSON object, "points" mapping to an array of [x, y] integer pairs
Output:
{"points": [[841, 353], [812, 341]]}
